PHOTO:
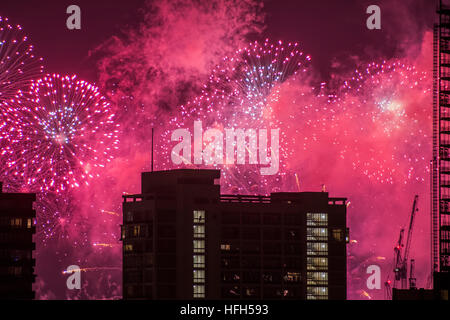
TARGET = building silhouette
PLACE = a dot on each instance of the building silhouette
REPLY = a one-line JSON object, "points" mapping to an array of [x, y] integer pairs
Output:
{"points": [[441, 284], [182, 239], [17, 226]]}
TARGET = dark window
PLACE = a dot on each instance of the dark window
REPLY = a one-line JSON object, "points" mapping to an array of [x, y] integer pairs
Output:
{"points": [[230, 262], [292, 219], [272, 218], [251, 247], [272, 263], [166, 292], [272, 293], [166, 231], [272, 234], [148, 260], [231, 218], [271, 277], [231, 292], [201, 200], [251, 262], [167, 246], [251, 218], [293, 263], [230, 232], [133, 276], [166, 276], [292, 248], [166, 216], [166, 260], [272, 248], [292, 234], [251, 276], [251, 233], [148, 275]]}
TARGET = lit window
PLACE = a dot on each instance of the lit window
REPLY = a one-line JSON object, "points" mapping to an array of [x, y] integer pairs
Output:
{"points": [[199, 276], [199, 291], [128, 247], [317, 263], [199, 231], [338, 235], [317, 293], [136, 231], [199, 261], [16, 222], [199, 216], [317, 248], [317, 219], [225, 247], [317, 278], [292, 277], [199, 246], [29, 223], [317, 234]]}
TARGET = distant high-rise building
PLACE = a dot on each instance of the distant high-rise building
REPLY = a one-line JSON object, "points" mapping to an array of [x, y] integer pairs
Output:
{"points": [[183, 240], [17, 226]]}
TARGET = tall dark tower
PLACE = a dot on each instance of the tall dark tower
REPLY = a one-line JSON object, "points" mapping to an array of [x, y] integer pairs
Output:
{"points": [[441, 144]]}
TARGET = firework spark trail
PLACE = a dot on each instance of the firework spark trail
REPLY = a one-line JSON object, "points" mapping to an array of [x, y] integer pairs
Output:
{"points": [[63, 131], [90, 269]]}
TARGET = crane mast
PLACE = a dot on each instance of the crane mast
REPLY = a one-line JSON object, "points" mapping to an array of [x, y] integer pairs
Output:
{"points": [[401, 256]]}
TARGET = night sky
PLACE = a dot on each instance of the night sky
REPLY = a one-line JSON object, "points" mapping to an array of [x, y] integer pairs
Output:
{"points": [[325, 28]]}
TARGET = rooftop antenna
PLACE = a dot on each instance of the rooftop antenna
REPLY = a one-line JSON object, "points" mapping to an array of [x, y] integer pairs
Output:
{"points": [[152, 148]]}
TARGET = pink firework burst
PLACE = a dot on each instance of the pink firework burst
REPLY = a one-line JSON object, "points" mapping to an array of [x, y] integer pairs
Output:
{"points": [[18, 64], [384, 122], [241, 93], [63, 130]]}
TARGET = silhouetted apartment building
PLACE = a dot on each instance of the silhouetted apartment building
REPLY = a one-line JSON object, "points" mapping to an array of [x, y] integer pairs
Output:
{"points": [[17, 226], [182, 239]]}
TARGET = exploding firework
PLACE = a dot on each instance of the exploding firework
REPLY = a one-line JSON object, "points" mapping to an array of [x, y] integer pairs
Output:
{"points": [[241, 93], [54, 217], [63, 131], [18, 64], [382, 116]]}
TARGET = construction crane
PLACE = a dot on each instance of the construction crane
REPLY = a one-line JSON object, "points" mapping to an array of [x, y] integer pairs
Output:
{"points": [[401, 260], [412, 279]]}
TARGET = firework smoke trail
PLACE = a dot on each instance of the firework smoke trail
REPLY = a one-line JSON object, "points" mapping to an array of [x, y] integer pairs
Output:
{"points": [[63, 131], [162, 65]]}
